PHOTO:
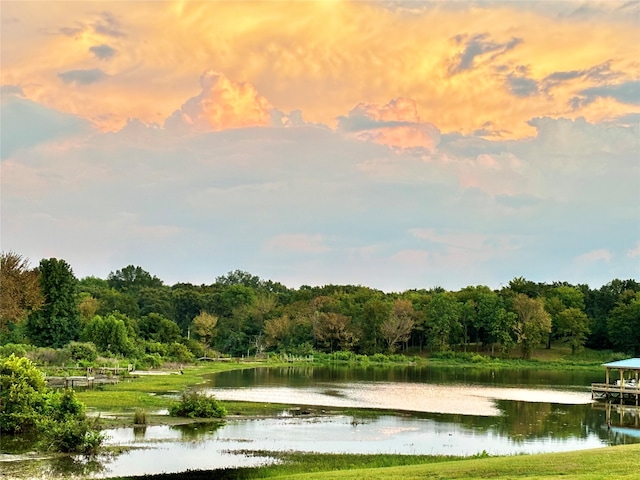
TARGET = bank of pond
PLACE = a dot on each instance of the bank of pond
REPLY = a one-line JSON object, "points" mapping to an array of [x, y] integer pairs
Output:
{"points": [[408, 412]]}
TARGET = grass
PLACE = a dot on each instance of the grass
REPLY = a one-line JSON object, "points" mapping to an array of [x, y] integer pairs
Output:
{"points": [[607, 463], [153, 392], [620, 462]]}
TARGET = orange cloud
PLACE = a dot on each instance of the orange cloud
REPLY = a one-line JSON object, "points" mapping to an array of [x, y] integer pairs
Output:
{"points": [[223, 104], [395, 124], [324, 57]]}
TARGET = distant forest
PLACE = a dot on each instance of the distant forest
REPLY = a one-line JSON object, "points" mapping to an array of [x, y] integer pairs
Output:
{"points": [[133, 314]]}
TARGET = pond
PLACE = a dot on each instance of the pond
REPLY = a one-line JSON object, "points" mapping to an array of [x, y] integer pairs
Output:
{"points": [[418, 410]]}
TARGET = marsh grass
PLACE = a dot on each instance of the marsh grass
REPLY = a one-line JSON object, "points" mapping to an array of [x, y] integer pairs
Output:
{"points": [[139, 417]]}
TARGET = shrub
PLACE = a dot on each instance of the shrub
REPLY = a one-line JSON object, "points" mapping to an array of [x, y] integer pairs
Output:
{"points": [[17, 349], [195, 348], [197, 405], [150, 361], [155, 348], [82, 351], [28, 405], [179, 353], [73, 435], [49, 356]]}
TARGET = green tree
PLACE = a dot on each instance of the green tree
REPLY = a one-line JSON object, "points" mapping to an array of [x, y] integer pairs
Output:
{"points": [[58, 321], [572, 325], [443, 320], [532, 322], [20, 293], [556, 300], [204, 325], [623, 324], [131, 279], [159, 329], [374, 313], [109, 334]]}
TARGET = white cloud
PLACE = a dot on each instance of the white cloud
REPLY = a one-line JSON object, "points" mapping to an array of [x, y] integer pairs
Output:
{"points": [[309, 205], [600, 255], [297, 242], [635, 251]]}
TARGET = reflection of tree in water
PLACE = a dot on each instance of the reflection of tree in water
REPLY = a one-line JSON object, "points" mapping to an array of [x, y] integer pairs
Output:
{"points": [[197, 432], [528, 420], [78, 465]]}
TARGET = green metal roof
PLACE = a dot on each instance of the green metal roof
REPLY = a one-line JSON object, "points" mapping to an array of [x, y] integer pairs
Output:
{"points": [[629, 363]]}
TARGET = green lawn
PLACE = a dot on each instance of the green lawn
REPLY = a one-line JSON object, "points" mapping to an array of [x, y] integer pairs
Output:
{"points": [[622, 462]]}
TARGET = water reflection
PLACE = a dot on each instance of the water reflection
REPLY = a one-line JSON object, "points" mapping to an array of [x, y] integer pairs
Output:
{"points": [[452, 412]]}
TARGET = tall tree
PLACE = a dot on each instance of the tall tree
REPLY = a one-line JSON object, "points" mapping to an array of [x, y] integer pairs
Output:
{"points": [[532, 323], [623, 324], [398, 325], [204, 325], [20, 291], [572, 325], [443, 320], [332, 331], [58, 321], [131, 279]]}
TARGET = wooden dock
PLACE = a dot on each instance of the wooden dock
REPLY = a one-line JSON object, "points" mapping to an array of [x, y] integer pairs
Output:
{"points": [[623, 393]]}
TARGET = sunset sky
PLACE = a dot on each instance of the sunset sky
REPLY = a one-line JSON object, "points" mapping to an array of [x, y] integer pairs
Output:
{"points": [[392, 144]]}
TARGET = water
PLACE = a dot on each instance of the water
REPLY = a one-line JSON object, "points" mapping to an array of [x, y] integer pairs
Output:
{"points": [[452, 411]]}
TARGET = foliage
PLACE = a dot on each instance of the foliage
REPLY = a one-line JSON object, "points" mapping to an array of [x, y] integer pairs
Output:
{"points": [[17, 349], [28, 405], [241, 315], [109, 334], [197, 405], [82, 351], [204, 325], [397, 327], [178, 352], [58, 321], [22, 389], [623, 324], [20, 293], [532, 324], [131, 279]]}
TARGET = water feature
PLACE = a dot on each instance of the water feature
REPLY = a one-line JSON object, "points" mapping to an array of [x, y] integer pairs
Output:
{"points": [[419, 410]]}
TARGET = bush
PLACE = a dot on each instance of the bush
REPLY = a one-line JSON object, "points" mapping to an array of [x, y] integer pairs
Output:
{"points": [[82, 351], [155, 348], [149, 361], [195, 348], [28, 405], [179, 353], [197, 405], [17, 349], [73, 435], [49, 356]]}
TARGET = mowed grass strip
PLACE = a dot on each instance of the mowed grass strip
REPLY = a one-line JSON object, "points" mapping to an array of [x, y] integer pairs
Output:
{"points": [[620, 462]]}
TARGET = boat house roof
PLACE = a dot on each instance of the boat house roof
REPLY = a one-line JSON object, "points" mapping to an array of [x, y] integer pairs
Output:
{"points": [[628, 364]]}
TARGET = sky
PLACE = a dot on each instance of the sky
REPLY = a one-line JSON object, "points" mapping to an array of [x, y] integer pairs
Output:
{"points": [[389, 144]]}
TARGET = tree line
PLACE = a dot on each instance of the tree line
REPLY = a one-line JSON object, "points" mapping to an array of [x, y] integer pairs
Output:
{"points": [[133, 314]]}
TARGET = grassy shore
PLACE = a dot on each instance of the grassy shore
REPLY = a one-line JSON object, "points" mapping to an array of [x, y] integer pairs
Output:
{"points": [[620, 462]]}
